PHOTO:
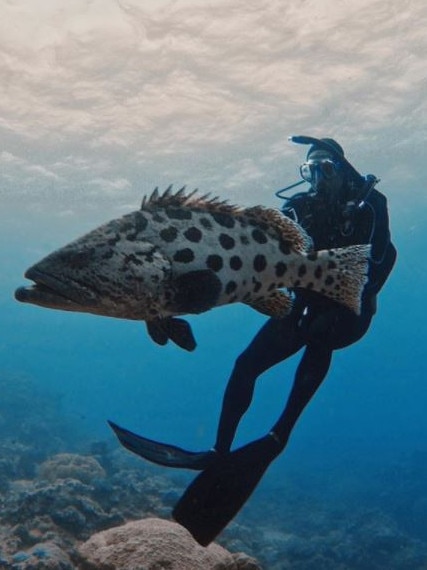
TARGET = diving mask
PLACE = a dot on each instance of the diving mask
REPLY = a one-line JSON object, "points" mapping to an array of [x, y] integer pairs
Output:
{"points": [[326, 167]]}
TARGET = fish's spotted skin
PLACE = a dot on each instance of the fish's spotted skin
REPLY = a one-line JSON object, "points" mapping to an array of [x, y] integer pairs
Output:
{"points": [[184, 253]]}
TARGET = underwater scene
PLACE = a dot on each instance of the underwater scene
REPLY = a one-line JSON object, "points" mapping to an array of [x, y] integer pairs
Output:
{"points": [[110, 392]]}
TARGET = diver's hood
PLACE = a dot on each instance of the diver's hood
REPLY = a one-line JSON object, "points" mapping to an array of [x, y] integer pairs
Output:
{"points": [[323, 144]]}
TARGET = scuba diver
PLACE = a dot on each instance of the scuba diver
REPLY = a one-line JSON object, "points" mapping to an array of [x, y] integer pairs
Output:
{"points": [[341, 208]]}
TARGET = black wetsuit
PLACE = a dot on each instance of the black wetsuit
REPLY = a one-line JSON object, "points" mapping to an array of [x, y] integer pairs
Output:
{"points": [[315, 322]]}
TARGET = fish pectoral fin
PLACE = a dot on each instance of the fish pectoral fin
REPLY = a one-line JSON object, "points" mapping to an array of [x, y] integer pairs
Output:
{"points": [[157, 332], [181, 334], [171, 328], [196, 291], [276, 305]]}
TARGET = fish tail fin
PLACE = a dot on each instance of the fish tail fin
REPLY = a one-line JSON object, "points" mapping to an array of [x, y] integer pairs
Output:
{"points": [[340, 274]]}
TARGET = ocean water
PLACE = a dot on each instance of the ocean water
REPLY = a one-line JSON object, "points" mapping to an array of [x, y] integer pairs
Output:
{"points": [[206, 95]]}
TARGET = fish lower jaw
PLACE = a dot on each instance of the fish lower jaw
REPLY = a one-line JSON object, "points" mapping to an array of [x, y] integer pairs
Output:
{"points": [[50, 291]]}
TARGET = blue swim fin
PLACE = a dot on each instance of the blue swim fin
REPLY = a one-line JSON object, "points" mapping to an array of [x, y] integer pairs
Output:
{"points": [[162, 453], [216, 495]]}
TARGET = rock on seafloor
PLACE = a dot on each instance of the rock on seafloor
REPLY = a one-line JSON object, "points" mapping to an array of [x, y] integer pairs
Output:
{"points": [[154, 543]]}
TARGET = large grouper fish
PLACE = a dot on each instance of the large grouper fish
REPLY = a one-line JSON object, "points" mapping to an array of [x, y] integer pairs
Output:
{"points": [[186, 253]]}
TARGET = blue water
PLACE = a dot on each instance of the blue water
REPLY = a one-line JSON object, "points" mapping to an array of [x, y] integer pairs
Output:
{"points": [[205, 96], [368, 415]]}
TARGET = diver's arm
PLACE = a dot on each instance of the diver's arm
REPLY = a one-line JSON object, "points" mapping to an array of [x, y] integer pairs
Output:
{"points": [[380, 237], [383, 253]]}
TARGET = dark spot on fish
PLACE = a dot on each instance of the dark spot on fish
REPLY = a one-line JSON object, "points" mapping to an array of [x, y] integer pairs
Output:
{"points": [[127, 226], [193, 234], [297, 283], [113, 241], [312, 256], [261, 225], [223, 219], [259, 236], [329, 280], [257, 285], [285, 247], [168, 234], [332, 265], [184, 255], [178, 213], [244, 240], [158, 218], [309, 285], [79, 259], [272, 286], [337, 287], [214, 262], [236, 263], [206, 223], [132, 258], [260, 262], [233, 299], [302, 270], [318, 272], [281, 268], [108, 254], [140, 222], [230, 287], [226, 241], [331, 252], [246, 297]]}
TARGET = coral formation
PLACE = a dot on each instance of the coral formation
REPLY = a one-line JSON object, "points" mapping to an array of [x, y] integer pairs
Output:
{"points": [[71, 466], [52, 499], [156, 543]]}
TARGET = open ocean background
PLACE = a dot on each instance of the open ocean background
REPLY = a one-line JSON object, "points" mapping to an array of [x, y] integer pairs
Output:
{"points": [[101, 101]]}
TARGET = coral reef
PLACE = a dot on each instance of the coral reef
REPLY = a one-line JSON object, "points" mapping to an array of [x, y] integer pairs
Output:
{"points": [[71, 466], [156, 543], [57, 493]]}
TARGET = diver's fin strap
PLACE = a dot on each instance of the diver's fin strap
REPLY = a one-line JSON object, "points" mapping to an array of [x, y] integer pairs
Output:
{"points": [[162, 453], [216, 495]]}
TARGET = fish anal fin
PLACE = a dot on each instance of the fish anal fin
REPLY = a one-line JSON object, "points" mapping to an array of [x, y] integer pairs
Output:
{"points": [[171, 328], [277, 305], [196, 291]]}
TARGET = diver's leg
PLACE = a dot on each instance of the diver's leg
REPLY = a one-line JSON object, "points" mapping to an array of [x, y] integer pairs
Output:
{"points": [[277, 340], [218, 493], [310, 374], [326, 332]]}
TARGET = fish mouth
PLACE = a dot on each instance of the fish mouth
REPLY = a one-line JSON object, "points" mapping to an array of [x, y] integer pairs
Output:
{"points": [[53, 292]]}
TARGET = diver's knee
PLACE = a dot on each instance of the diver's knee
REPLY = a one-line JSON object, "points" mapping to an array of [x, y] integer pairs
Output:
{"points": [[244, 365]]}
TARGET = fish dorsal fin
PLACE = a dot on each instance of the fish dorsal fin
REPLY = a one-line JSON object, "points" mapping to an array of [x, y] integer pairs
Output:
{"points": [[191, 200], [270, 220], [278, 226]]}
